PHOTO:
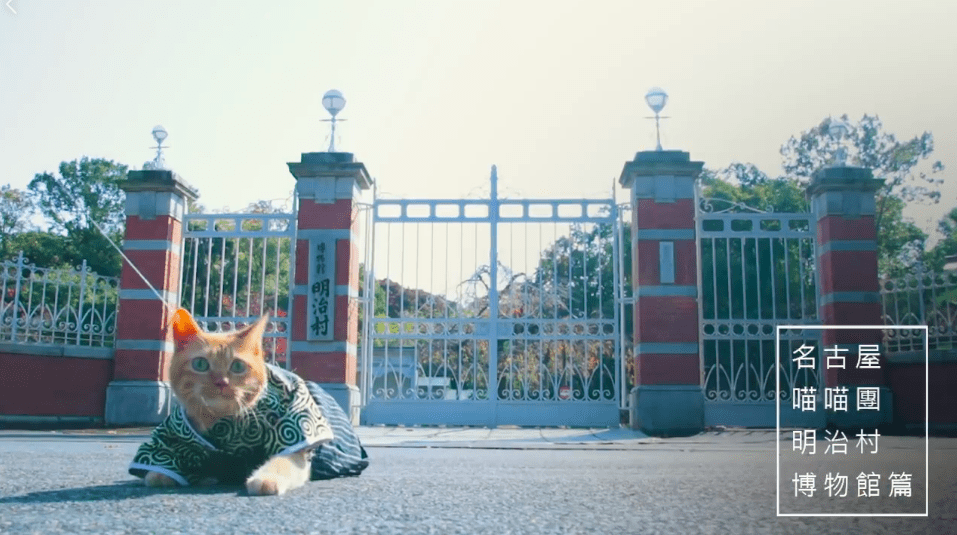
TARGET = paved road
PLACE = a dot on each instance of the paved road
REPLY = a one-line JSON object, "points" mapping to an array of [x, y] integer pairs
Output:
{"points": [[715, 483]]}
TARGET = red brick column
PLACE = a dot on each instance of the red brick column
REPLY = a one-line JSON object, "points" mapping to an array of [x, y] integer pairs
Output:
{"points": [[328, 185], [155, 204], [668, 398], [843, 204]]}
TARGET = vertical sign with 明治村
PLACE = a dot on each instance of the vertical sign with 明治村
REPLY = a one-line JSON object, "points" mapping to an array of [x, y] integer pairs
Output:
{"points": [[842, 470], [321, 297]]}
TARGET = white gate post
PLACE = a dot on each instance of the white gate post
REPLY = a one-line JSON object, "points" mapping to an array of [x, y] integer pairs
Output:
{"points": [[493, 308]]}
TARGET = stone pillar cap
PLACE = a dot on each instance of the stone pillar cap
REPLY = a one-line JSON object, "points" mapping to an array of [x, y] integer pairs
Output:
{"points": [[328, 157], [158, 180], [843, 178], [649, 156], [659, 162], [331, 164]]}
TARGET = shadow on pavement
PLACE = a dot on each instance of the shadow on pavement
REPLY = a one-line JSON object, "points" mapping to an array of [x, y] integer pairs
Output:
{"points": [[124, 490]]}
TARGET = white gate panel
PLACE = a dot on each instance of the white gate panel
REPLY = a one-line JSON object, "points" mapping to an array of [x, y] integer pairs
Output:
{"points": [[756, 271], [237, 267], [492, 311]]}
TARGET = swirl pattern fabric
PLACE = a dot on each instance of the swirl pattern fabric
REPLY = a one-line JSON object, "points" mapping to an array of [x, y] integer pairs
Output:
{"points": [[286, 419]]}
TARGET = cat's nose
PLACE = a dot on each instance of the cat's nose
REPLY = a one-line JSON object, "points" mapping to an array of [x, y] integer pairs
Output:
{"points": [[221, 382]]}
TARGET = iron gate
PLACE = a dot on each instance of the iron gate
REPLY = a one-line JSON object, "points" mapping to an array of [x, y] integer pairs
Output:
{"points": [[492, 311], [237, 267], [756, 271]]}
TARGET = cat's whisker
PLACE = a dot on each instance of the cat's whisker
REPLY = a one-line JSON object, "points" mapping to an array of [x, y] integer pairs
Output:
{"points": [[247, 412], [246, 409]]}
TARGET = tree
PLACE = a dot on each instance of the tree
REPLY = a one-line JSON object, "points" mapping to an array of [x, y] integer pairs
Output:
{"points": [[43, 249], [87, 194], [228, 278], [193, 206], [899, 241], [378, 301], [237, 276], [897, 162], [573, 280], [746, 184], [927, 294], [573, 266], [16, 209], [947, 246]]}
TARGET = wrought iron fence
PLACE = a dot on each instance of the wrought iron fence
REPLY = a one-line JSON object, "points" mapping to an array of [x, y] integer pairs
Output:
{"points": [[555, 318], [237, 267], [493, 311], [922, 298], [64, 306], [757, 271]]}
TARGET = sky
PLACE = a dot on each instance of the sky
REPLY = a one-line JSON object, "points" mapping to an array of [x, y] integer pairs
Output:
{"points": [[438, 91]]}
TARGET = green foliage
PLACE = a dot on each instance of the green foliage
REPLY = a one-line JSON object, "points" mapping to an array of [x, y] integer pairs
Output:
{"points": [[237, 276], [755, 278], [42, 248], [16, 208], [57, 303], [900, 243], [580, 269], [87, 191], [947, 246], [392, 300], [68, 306], [746, 184], [84, 195], [899, 163], [770, 278], [378, 302], [574, 280], [193, 206]]}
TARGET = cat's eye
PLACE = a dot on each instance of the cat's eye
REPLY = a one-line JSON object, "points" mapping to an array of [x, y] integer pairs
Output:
{"points": [[237, 366], [200, 364]]}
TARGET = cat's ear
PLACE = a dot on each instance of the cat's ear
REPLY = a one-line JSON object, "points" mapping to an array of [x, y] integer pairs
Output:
{"points": [[251, 338], [185, 327]]}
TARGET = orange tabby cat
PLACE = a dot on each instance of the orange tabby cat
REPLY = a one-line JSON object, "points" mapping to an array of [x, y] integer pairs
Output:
{"points": [[220, 379]]}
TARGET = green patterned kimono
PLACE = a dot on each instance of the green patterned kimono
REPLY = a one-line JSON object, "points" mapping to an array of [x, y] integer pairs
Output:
{"points": [[286, 419]]}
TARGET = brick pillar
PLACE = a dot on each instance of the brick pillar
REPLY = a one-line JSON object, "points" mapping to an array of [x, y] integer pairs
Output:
{"points": [[325, 332], [842, 201], [155, 203], [668, 399]]}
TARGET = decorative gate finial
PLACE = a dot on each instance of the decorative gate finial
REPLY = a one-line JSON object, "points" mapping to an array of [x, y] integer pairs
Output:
{"points": [[838, 129], [656, 99], [159, 134], [333, 102]]}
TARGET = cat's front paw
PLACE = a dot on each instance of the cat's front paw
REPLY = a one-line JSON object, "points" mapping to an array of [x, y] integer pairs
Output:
{"points": [[156, 479], [279, 474], [264, 486]]}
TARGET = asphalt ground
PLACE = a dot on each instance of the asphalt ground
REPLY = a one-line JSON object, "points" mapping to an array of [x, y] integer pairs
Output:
{"points": [[452, 481]]}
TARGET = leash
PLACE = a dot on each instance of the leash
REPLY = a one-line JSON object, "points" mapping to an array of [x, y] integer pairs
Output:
{"points": [[118, 249]]}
